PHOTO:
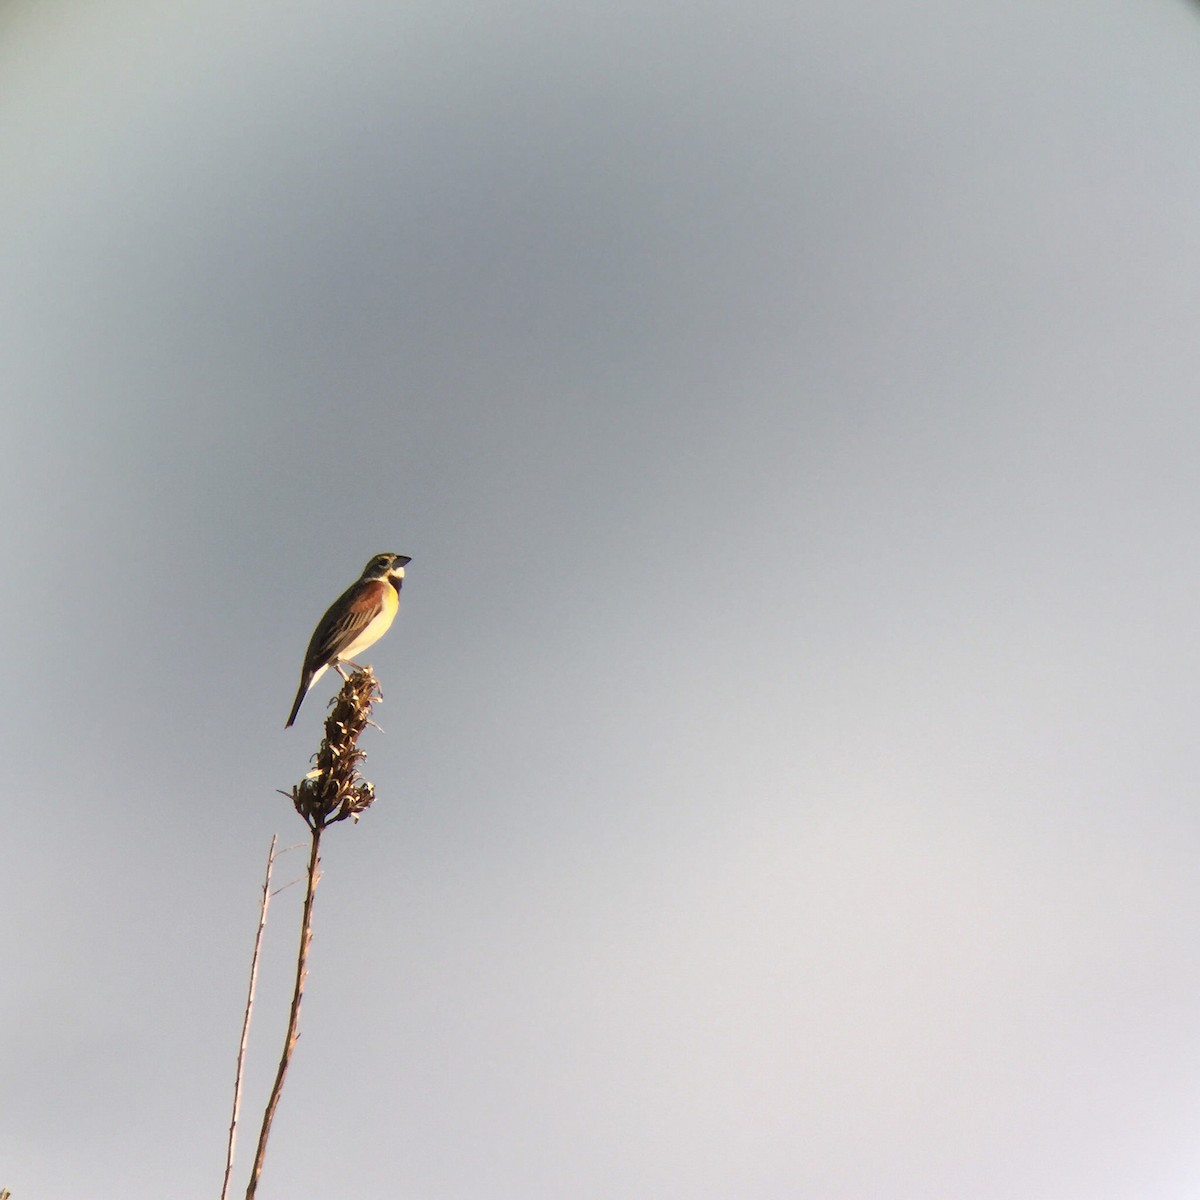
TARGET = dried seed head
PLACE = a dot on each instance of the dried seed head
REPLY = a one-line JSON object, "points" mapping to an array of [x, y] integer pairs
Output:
{"points": [[333, 790]]}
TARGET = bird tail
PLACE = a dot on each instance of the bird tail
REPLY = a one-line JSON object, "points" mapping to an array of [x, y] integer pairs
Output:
{"points": [[305, 684]]}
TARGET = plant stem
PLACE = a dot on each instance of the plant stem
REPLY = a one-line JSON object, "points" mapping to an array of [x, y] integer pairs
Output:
{"points": [[289, 1045], [241, 1055]]}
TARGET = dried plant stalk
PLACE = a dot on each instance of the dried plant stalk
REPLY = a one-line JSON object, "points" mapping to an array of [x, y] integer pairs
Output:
{"points": [[241, 1055], [332, 791]]}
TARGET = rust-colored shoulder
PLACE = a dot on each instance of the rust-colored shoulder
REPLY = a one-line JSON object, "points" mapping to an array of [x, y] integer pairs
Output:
{"points": [[368, 596]]}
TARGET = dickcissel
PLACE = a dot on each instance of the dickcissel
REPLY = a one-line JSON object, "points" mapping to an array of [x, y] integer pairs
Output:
{"points": [[358, 618]]}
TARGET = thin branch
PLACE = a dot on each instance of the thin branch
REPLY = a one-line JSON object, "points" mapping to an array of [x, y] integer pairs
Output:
{"points": [[241, 1055], [289, 1044], [332, 791]]}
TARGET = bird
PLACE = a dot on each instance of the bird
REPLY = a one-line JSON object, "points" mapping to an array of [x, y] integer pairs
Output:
{"points": [[358, 618]]}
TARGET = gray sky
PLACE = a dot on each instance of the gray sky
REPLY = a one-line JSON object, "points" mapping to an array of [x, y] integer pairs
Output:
{"points": [[789, 782]]}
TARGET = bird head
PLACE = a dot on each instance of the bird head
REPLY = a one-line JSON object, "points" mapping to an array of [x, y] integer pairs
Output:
{"points": [[386, 566]]}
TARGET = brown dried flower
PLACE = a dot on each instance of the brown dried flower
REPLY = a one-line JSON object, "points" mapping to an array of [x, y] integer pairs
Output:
{"points": [[334, 790]]}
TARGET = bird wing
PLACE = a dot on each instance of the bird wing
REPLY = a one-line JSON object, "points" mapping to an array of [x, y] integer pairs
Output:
{"points": [[347, 617]]}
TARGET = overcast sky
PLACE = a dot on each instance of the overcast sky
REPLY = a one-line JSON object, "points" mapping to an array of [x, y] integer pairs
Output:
{"points": [[789, 780]]}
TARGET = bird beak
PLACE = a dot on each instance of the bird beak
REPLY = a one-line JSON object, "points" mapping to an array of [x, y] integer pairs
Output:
{"points": [[402, 560]]}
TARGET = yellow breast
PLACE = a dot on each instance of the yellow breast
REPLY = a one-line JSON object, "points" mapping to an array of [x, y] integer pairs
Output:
{"points": [[390, 601]]}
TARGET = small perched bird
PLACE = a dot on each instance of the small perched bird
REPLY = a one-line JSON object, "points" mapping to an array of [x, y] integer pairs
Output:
{"points": [[358, 618]]}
